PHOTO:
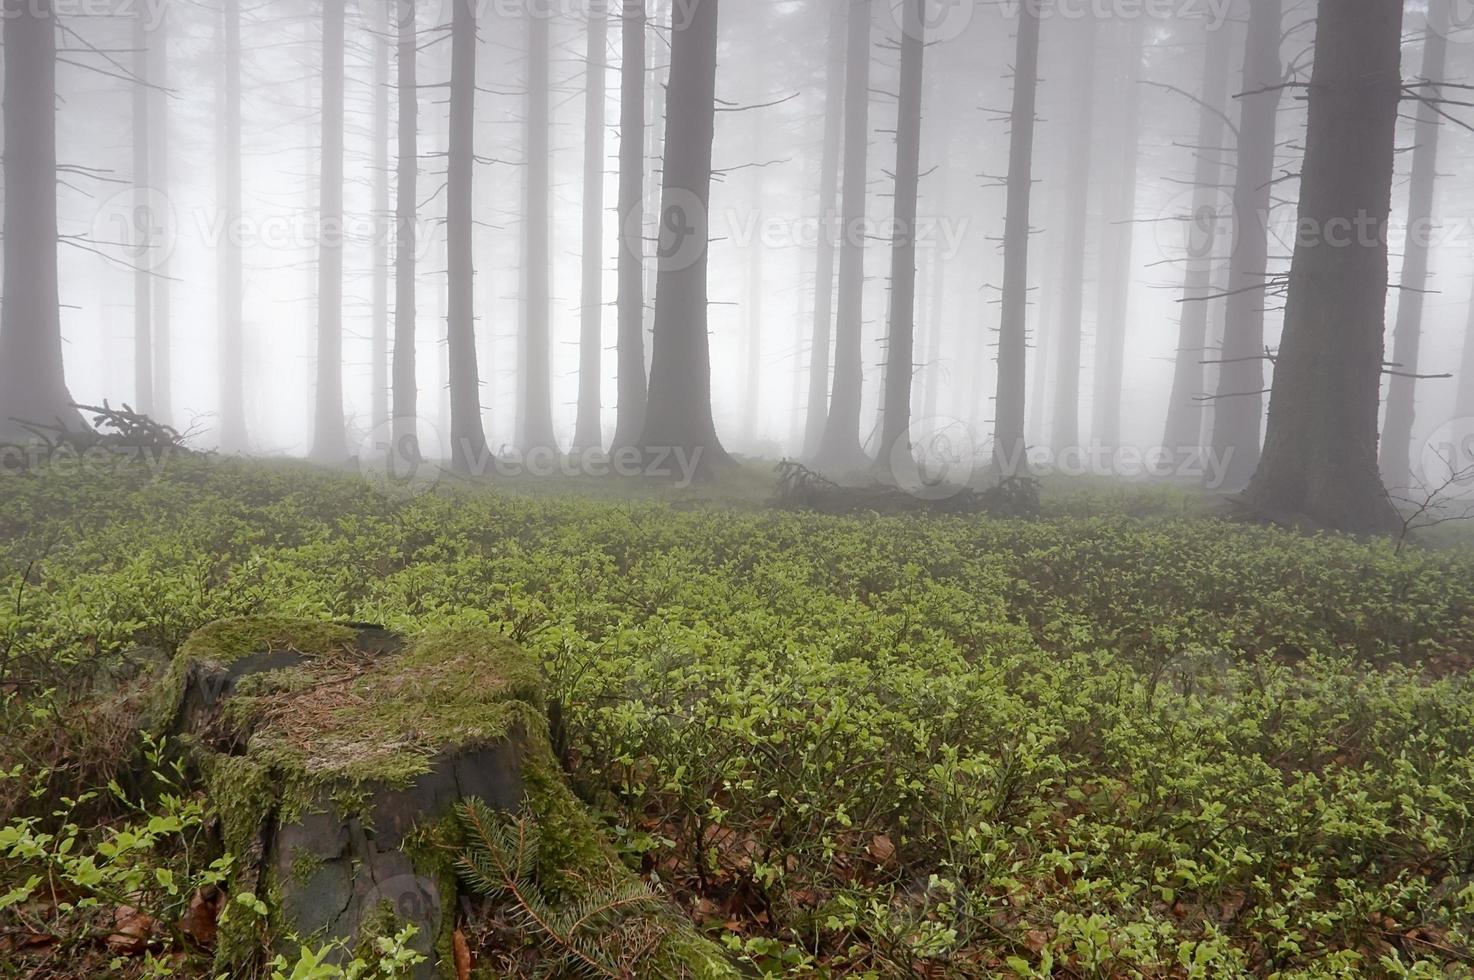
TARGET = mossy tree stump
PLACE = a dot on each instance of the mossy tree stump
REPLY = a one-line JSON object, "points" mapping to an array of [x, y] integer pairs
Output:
{"points": [[336, 756]]}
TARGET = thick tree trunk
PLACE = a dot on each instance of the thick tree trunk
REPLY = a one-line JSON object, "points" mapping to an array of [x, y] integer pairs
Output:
{"points": [[1397, 436], [817, 412], [379, 330], [679, 417], [1117, 238], [330, 441], [589, 430], [231, 366], [840, 448], [163, 409], [895, 438], [1320, 454], [1065, 431], [1238, 414], [143, 220], [537, 395], [467, 437], [630, 419], [32, 377], [406, 388], [1183, 433], [1013, 334]]}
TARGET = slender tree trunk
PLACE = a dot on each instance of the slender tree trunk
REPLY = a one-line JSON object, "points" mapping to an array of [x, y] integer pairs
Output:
{"points": [[752, 398], [379, 331], [231, 365], [936, 321], [406, 444], [1320, 454], [817, 412], [1118, 237], [1066, 428], [895, 446], [32, 376], [144, 220], [631, 344], [1397, 437], [537, 406], [1464, 404], [679, 415], [467, 437], [589, 430], [1238, 415], [330, 440], [1183, 433], [163, 395], [840, 448], [1013, 334]]}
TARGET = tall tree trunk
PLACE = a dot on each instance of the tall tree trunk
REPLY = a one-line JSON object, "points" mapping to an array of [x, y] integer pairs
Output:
{"points": [[753, 341], [1183, 433], [1238, 414], [163, 395], [817, 412], [144, 220], [1397, 437], [589, 430], [936, 321], [1118, 236], [1464, 404], [467, 437], [679, 415], [1066, 424], [537, 394], [330, 440], [32, 376], [231, 365], [1013, 334], [630, 419], [406, 387], [895, 444], [1320, 453], [379, 330], [840, 448]]}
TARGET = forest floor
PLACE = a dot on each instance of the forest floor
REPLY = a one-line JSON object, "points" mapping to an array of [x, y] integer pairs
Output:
{"points": [[1126, 738]]}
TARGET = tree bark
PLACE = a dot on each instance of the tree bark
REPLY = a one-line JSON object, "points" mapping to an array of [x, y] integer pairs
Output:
{"points": [[1397, 436], [1238, 412], [1464, 403], [330, 440], [632, 382], [1320, 454], [753, 342], [1117, 238], [589, 430], [406, 444], [32, 375], [231, 364], [840, 448], [895, 444], [467, 437], [1184, 427], [1013, 334], [679, 416], [817, 412], [537, 395], [1065, 431]]}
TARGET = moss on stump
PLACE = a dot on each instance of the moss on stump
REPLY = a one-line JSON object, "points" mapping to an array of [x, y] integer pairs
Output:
{"points": [[336, 756]]}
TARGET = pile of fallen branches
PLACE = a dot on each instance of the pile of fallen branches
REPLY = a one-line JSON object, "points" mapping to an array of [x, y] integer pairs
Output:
{"points": [[800, 488], [118, 431]]}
